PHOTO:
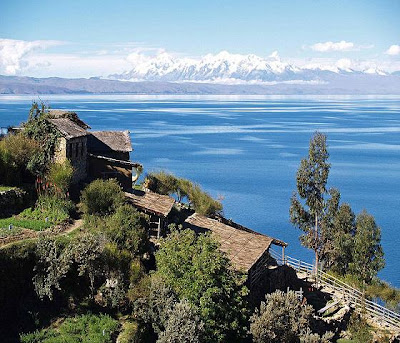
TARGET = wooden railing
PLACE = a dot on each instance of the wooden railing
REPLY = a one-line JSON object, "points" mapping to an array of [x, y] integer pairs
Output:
{"points": [[342, 291]]}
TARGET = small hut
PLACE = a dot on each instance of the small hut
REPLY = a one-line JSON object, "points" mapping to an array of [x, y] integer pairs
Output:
{"points": [[247, 249], [156, 205]]}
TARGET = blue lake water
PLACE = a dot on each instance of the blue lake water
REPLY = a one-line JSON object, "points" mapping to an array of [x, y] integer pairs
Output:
{"points": [[248, 149]]}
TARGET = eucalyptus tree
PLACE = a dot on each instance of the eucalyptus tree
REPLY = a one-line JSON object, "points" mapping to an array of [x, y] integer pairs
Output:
{"points": [[312, 177]]}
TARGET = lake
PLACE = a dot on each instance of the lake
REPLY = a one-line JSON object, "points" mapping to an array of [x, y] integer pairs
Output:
{"points": [[246, 150]]}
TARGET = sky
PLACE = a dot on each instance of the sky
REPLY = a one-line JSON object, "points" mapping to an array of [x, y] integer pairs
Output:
{"points": [[79, 38]]}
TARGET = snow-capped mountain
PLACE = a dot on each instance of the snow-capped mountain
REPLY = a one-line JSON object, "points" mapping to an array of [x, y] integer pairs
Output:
{"points": [[225, 67]]}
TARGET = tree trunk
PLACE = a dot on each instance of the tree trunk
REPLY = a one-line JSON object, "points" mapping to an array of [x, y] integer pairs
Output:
{"points": [[316, 244]]}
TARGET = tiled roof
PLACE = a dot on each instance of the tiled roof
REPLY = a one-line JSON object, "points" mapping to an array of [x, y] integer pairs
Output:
{"points": [[243, 248], [154, 203]]}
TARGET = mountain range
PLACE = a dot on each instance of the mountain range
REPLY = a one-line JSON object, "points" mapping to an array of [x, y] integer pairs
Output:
{"points": [[223, 73]]}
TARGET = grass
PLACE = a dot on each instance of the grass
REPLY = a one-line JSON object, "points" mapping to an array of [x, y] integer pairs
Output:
{"points": [[5, 188], [8, 233], [32, 224]]}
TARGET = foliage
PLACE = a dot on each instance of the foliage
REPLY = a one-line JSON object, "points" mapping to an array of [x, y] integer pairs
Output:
{"points": [[87, 328], [337, 232], [86, 251], [281, 318], [367, 249], [16, 152], [53, 264], [6, 188], [201, 201], [183, 325], [54, 208], [383, 291], [128, 229], [345, 244], [310, 337], [45, 134], [359, 330], [312, 177], [60, 174], [102, 197], [156, 303], [5, 232], [195, 269], [132, 332], [32, 224]]}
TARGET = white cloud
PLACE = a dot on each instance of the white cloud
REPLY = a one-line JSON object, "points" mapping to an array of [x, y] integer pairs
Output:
{"points": [[393, 50], [338, 46], [13, 53]]}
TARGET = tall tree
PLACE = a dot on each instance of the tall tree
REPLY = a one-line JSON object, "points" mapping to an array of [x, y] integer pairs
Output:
{"points": [[312, 177], [367, 249]]}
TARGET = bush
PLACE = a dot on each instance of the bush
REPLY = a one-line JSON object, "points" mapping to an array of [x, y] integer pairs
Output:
{"points": [[359, 330], [16, 152], [128, 229], [60, 174], [87, 328], [102, 197], [281, 318], [165, 183]]}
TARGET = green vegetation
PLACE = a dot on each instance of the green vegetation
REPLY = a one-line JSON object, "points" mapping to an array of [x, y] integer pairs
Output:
{"points": [[60, 175], [5, 232], [312, 177], [182, 189], [45, 134], [102, 197], [32, 224], [192, 267], [87, 328], [343, 242], [282, 318], [6, 188], [53, 208], [16, 154]]}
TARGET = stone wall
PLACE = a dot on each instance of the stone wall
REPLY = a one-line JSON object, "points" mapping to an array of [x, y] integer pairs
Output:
{"points": [[12, 201], [75, 149]]}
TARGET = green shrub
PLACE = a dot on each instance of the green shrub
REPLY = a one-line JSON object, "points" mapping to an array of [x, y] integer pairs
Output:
{"points": [[102, 197], [16, 152], [128, 229], [281, 318], [164, 183], [359, 329], [60, 174], [54, 208], [87, 328]]}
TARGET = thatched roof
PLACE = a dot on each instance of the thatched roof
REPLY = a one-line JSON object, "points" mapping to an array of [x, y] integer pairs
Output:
{"points": [[243, 248], [160, 205], [103, 141], [56, 114], [68, 128]]}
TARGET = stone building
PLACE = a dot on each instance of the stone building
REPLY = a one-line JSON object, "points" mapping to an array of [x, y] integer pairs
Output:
{"points": [[72, 145], [247, 250], [93, 154]]}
